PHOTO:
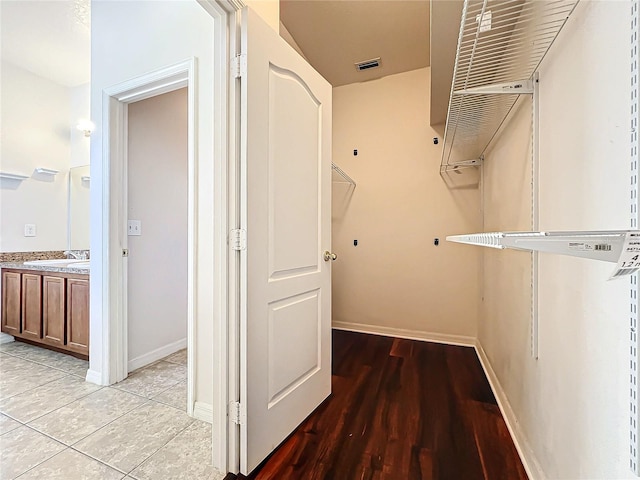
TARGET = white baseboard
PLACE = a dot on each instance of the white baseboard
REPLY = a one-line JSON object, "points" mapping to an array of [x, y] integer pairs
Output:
{"points": [[203, 411], [531, 465], [94, 377], [408, 334], [156, 354]]}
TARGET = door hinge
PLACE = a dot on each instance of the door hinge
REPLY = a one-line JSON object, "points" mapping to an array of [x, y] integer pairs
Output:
{"points": [[236, 414], [239, 66], [238, 239]]}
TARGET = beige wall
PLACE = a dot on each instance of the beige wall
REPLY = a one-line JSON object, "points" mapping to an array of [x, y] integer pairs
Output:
{"points": [[157, 196], [570, 407], [269, 10], [444, 33], [396, 278]]}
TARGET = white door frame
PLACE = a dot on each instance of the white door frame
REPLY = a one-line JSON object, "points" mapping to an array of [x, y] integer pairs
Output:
{"points": [[226, 434], [226, 443], [229, 339], [115, 121]]}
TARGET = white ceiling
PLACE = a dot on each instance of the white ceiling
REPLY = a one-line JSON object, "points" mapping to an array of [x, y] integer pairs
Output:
{"points": [[334, 35], [49, 38]]}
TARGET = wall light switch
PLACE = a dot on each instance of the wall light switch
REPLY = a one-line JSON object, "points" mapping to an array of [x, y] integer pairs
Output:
{"points": [[134, 227], [29, 230]]}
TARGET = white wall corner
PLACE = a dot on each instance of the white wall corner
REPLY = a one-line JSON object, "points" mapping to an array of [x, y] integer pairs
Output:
{"points": [[6, 338], [527, 456], [203, 411], [157, 354], [461, 340]]}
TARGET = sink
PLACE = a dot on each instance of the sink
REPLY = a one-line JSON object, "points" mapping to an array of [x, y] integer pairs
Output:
{"points": [[56, 261]]}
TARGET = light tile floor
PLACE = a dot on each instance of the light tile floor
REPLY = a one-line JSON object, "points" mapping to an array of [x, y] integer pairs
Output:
{"points": [[54, 425]]}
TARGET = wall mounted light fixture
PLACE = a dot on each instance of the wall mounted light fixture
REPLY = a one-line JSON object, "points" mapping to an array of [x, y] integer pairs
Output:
{"points": [[86, 126]]}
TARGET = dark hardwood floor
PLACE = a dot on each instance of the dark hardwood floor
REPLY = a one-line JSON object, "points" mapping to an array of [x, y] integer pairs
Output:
{"points": [[400, 409]]}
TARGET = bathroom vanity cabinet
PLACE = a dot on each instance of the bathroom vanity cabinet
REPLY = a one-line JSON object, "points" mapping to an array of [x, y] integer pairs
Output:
{"points": [[51, 308]]}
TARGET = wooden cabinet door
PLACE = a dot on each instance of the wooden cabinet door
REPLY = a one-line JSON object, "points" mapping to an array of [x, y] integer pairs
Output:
{"points": [[32, 306], [11, 303], [78, 315], [53, 310]]}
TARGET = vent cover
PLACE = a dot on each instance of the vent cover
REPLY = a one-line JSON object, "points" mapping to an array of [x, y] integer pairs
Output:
{"points": [[367, 64]]}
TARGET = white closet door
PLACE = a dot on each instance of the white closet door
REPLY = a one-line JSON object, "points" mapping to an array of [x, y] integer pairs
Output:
{"points": [[286, 330]]}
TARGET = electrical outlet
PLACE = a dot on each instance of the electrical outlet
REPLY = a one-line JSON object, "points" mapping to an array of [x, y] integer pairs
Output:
{"points": [[29, 230], [134, 227]]}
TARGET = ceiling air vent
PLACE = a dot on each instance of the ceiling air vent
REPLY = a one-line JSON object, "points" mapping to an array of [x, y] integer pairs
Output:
{"points": [[367, 64]]}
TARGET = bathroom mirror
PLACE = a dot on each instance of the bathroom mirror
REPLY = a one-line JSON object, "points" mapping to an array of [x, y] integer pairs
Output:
{"points": [[79, 187]]}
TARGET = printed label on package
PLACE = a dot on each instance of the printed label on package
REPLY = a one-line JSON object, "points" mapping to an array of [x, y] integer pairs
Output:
{"points": [[629, 261]]}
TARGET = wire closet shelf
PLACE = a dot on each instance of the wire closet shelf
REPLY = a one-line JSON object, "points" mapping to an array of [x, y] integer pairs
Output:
{"points": [[500, 47], [595, 245], [341, 176]]}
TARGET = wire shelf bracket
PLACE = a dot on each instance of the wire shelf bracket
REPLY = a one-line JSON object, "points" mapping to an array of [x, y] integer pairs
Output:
{"points": [[509, 88], [475, 162], [343, 174]]}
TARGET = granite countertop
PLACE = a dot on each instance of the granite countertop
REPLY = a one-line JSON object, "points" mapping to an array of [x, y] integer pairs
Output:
{"points": [[46, 268]]}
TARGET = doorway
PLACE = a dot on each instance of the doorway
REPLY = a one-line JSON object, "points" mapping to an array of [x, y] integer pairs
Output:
{"points": [[120, 98], [157, 226]]}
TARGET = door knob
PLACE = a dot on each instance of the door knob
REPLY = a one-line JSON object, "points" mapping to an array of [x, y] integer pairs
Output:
{"points": [[329, 256]]}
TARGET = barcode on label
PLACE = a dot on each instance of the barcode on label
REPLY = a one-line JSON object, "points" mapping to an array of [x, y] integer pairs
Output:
{"points": [[624, 271], [603, 247]]}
